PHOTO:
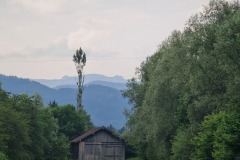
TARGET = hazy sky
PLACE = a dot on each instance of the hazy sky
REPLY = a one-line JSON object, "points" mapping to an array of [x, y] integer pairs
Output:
{"points": [[39, 37]]}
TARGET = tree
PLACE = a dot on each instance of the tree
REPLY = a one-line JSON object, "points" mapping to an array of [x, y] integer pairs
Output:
{"points": [[55, 145], [79, 58], [219, 138], [72, 123], [38, 101], [3, 156], [193, 74], [182, 146], [28, 131], [14, 134]]}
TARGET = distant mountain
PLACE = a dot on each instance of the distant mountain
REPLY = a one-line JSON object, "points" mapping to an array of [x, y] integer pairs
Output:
{"points": [[66, 86], [104, 104], [17, 85], [118, 86], [66, 80]]}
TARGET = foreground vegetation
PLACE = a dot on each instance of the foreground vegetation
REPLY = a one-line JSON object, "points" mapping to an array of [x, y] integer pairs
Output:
{"points": [[186, 96], [30, 131]]}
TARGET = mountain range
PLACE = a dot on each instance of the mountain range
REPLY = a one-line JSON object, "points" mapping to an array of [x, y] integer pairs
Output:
{"points": [[102, 97], [88, 78]]}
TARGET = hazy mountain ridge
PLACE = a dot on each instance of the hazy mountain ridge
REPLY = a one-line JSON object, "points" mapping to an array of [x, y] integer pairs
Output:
{"points": [[104, 104], [118, 86], [68, 80]]}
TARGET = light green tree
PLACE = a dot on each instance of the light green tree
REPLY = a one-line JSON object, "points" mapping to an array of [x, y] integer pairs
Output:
{"points": [[219, 138]]}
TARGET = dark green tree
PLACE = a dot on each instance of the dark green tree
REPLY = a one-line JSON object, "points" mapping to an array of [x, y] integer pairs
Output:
{"points": [[55, 144], [72, 123], [28, 131], [14, 134]]}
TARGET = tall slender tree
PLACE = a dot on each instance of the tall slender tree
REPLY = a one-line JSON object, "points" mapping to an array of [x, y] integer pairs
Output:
{"points": [[79, 58]]}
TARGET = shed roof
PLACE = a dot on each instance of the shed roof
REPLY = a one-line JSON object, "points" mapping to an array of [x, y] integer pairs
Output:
{"points": [[92, 132]]}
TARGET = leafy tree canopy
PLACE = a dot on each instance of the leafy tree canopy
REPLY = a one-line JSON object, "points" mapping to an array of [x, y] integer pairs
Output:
{"points": [[193, 74]]}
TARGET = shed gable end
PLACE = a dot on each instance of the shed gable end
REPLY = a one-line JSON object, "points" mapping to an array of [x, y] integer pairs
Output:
{"points": [[102, 136]]}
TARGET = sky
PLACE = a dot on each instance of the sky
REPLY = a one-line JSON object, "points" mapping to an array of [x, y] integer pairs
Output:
{"points": [[39, 37]]}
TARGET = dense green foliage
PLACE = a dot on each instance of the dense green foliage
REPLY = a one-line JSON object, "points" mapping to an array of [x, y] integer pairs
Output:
{"points": [[71, 123], [31, 132], [193, 74], [219, 137]]}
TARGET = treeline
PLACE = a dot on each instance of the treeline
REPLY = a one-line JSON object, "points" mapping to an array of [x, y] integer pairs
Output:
{"points": [[30, 131], [186, 96]]}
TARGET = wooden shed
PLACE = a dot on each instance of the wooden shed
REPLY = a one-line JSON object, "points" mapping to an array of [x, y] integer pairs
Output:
{"points": [[98, 144]]}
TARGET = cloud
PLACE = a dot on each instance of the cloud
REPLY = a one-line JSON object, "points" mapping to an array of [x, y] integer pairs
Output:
{"points": [[39, 6], [105, 29], [55, 51], [91, 40]]}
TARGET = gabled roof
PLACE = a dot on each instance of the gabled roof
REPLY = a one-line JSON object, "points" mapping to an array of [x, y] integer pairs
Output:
{"points": [[92, 132]]}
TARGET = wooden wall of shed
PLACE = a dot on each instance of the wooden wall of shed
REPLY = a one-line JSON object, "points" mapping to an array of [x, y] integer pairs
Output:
{"points": [[101, 146], [98, 151], [81, 150], [102, 136]]}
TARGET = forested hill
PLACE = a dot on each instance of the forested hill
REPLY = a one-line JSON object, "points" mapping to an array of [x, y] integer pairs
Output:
{"points": [[104, 104], [187, 98]]}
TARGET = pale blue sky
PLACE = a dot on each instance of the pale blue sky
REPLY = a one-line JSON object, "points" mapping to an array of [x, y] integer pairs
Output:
{"points": [[41, 36]]}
